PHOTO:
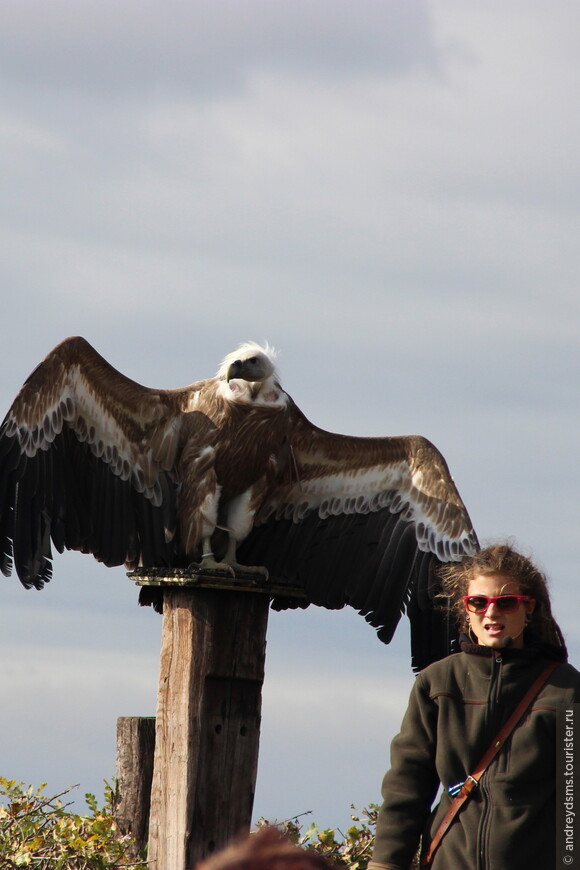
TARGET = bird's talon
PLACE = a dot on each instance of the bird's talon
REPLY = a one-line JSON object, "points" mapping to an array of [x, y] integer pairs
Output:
{"points": [[255, 569], [209, 563]]}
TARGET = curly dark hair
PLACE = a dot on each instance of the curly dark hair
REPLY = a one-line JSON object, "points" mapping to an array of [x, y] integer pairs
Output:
{"points": [[501, 559]]}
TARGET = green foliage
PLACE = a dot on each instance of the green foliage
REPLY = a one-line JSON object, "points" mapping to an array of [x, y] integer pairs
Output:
{"points": [[40, 832], [352, 849]]}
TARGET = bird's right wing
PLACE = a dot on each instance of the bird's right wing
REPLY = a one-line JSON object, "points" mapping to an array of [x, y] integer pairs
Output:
{"points": [[87, 459]]}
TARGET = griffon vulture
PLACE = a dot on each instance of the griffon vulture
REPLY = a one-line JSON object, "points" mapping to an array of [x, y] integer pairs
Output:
{"points": [[223, 470]]}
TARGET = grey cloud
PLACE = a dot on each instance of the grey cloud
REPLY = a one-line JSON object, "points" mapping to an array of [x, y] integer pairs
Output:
{"points": [[203, 48]]}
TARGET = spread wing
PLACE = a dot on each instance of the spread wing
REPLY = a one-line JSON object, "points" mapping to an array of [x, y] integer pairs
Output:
{"points": [[364, 521], [87, 459]]}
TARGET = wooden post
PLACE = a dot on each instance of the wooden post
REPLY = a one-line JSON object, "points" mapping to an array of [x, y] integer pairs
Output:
{"points": [[135, 745], [208, 722]]}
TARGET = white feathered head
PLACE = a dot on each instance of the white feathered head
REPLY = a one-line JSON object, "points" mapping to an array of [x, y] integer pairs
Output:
{"points": [[253, 356]]}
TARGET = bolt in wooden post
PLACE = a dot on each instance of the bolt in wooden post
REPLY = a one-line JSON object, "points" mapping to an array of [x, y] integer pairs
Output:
{"points": [[208, 722]]}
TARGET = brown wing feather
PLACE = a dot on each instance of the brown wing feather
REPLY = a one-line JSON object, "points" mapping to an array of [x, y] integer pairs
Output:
{"points": [[80, 445], [339, 474], [112, 413], [365, 522]]}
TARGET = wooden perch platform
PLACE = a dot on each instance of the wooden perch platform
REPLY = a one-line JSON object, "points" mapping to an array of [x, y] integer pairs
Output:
{"points": [[243, 581]]}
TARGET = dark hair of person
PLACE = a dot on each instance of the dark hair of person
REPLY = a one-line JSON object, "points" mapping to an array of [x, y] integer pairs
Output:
{"points": [[266, 849], [501, 559]]}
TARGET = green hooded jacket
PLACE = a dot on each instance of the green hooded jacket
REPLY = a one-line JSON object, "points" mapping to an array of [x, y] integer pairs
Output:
{"points": [[456, 708]]}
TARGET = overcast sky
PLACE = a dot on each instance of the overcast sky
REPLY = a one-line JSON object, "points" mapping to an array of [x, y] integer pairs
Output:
{"points": [[388, 193]]}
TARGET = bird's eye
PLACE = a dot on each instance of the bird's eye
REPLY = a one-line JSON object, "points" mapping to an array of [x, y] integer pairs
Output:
{"points": [[253, 359]]}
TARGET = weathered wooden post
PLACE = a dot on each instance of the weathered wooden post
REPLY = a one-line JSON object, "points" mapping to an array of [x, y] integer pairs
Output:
{"points": [[207, 733], [135, 746]]}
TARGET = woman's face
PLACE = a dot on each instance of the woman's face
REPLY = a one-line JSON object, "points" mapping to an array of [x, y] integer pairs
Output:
{"points": [[493, 625]]}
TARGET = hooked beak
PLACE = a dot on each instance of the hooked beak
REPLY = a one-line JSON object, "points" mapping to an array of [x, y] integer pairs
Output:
{"points": [[234, 370]]}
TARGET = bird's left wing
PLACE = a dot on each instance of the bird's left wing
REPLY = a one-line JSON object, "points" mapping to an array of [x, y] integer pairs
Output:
{"points": [[363, 521]]}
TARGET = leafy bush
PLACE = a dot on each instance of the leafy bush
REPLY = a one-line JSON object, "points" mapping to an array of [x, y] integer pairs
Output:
{"points": [[40, 832], [353, 848]]}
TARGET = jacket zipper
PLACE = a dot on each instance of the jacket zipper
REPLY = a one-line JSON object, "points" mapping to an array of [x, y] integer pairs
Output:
{"points": [[493, 726]]}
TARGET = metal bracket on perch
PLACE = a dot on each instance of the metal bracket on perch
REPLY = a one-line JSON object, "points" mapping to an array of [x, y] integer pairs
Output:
{"points": [[203, 578]]}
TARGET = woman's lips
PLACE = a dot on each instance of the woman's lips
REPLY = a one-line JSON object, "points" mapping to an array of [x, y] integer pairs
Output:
{"points": [[494, 628]]}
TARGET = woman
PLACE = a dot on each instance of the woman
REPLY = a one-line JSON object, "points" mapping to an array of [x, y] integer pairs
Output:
{"points": [[456, 708]]}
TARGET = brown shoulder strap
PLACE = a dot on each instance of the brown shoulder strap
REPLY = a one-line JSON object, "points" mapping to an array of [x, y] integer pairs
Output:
{"points": [[473, 779]]}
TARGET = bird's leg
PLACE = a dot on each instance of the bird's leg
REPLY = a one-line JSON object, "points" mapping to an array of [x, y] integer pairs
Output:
{"points": [[237, 520]]}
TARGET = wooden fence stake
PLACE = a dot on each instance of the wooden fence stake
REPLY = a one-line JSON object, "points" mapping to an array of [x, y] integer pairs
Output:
{"points": [[135, 745]]}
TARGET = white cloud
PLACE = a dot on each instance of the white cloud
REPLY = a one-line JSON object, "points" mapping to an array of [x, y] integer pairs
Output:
{"points": [[205, 48]]}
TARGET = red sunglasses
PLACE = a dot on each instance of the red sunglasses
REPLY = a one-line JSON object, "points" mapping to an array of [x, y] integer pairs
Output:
{"points": [[505, 603]]}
